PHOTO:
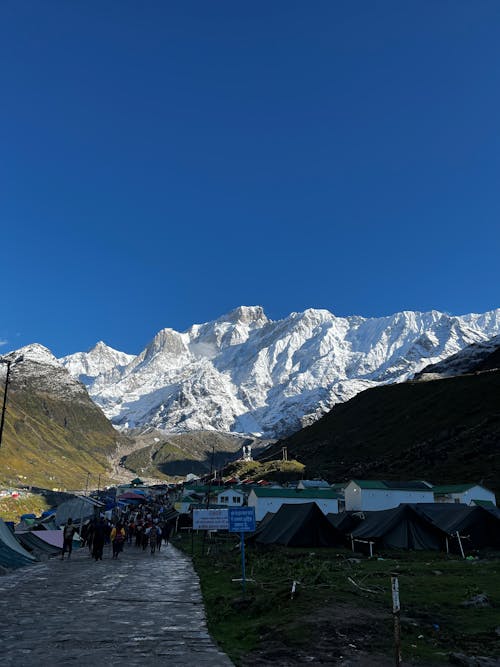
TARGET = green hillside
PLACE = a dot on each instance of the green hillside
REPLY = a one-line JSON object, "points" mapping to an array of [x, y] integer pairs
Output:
{"points": [[184, 453], [52, 443], [444, 431]]}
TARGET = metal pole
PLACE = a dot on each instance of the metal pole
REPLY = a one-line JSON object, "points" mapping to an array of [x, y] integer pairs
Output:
{"points": [[4, 404], [243, 562], [83, 503]]}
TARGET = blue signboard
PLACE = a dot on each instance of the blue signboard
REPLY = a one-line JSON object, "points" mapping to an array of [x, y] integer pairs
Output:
{"points": [[241, 519]]}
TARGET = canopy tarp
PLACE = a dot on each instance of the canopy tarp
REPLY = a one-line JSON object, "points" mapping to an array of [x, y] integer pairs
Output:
{"points": [[401, 528], [12, 554], [131, 495], [299, 525], [81, 507], [37, 545]]}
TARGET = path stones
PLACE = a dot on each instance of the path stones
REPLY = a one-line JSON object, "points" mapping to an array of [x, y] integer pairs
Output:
{"points": [[137, 610]]}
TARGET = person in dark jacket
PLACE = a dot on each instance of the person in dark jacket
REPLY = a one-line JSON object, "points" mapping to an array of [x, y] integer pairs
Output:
{"points": [[68, 532], [99, 538]]}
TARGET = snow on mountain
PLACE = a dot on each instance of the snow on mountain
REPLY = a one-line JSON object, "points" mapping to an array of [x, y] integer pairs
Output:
{"points": [[248, 374], [35, 367], [478, 356], [98, 360]]}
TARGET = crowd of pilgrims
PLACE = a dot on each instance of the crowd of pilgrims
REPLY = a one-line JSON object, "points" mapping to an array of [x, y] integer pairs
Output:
{"points": [[145, 527]]}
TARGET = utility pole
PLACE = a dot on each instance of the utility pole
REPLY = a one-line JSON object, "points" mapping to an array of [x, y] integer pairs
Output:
{"points": [[83, 502], [210, 478], [9, 363]]}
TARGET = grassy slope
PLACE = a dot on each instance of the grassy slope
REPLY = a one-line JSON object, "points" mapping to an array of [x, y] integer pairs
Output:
{"points": [[184, 453], [52, 443], [443, 431], [329, 612]]}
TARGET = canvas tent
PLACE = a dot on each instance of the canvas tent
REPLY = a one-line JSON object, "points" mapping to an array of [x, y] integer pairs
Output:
{"points": [[302, 525], [346, 521], [474, 526], [37, 545], [400, 528], [12, 554], [81, 507]]}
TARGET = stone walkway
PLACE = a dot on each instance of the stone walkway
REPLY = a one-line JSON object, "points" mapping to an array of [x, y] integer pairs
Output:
{"points": [[137, 610]]}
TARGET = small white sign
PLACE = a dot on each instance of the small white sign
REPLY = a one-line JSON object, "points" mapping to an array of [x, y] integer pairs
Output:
{"points": [[210, 520]]}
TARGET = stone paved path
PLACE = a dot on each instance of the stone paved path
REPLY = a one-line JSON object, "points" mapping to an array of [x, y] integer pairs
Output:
{"points": [[138, 610]]}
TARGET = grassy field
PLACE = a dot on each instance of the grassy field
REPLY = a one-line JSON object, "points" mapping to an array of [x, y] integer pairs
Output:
{"points": [[31, 503], [342, 606]]}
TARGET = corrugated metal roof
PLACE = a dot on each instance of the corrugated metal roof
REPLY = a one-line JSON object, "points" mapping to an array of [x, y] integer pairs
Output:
{"points": [[452, 488], [387, 485], [296, 493]]}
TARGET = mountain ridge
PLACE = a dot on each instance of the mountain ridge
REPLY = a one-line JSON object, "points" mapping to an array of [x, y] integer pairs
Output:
{"points": [[245, 373]]}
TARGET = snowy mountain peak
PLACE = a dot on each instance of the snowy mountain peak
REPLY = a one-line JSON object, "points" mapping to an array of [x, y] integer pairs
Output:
{"points": [[38, 353], [243, 372], [246, 315], [99, 359]]}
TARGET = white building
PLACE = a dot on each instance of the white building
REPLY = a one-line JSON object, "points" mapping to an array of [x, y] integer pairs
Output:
{"points": [[369, 495], [467, 494], [231, 498], [266, 500]]}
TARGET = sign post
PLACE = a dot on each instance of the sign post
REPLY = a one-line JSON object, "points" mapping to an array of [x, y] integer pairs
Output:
{"points": [[242, 520]]}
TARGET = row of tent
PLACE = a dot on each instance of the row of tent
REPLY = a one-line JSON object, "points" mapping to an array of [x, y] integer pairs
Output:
{"points": [[426, 526], [20, 549]]}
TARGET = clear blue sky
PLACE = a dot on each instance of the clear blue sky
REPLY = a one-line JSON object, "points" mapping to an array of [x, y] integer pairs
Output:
{"points": [[164, 162]]}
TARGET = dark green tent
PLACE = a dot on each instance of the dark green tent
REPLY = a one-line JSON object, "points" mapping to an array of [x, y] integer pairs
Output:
{"points": [[400, 528], [299, 525], [478, 527]]}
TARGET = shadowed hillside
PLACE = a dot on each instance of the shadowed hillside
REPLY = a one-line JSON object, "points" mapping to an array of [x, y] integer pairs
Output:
{"points": [[444, 431]]}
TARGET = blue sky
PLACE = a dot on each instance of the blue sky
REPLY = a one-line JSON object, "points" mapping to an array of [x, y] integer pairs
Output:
{"points": [[162, 163]]}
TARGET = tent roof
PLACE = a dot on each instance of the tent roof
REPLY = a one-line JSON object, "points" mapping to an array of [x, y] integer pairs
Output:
{"points": [[12, 554], [299, 525], [401, 527]]}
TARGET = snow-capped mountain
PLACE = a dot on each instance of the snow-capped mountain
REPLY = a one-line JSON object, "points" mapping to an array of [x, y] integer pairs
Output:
{"points": [[481, 356], [248, 374], [39, 370]]}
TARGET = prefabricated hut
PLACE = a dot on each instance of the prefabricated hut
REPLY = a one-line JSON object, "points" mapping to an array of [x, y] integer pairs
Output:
{"points": [[372, 495], [271, 499]]}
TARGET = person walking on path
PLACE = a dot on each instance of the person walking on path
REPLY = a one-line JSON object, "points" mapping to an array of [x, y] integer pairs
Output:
{"points": [[98, 541], [117, 539], [165, 533], [68, 532]]}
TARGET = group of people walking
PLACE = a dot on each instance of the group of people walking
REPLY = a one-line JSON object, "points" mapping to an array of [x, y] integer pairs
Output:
{"points": [[144, 527]]}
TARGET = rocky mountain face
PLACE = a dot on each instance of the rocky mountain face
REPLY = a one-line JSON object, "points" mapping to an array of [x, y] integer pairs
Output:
{"points": [[54, 434], [247, 374]]}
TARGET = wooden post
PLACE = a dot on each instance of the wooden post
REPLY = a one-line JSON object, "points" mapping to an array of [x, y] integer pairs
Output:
{"points": [[460, 544], [396, 609]]}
